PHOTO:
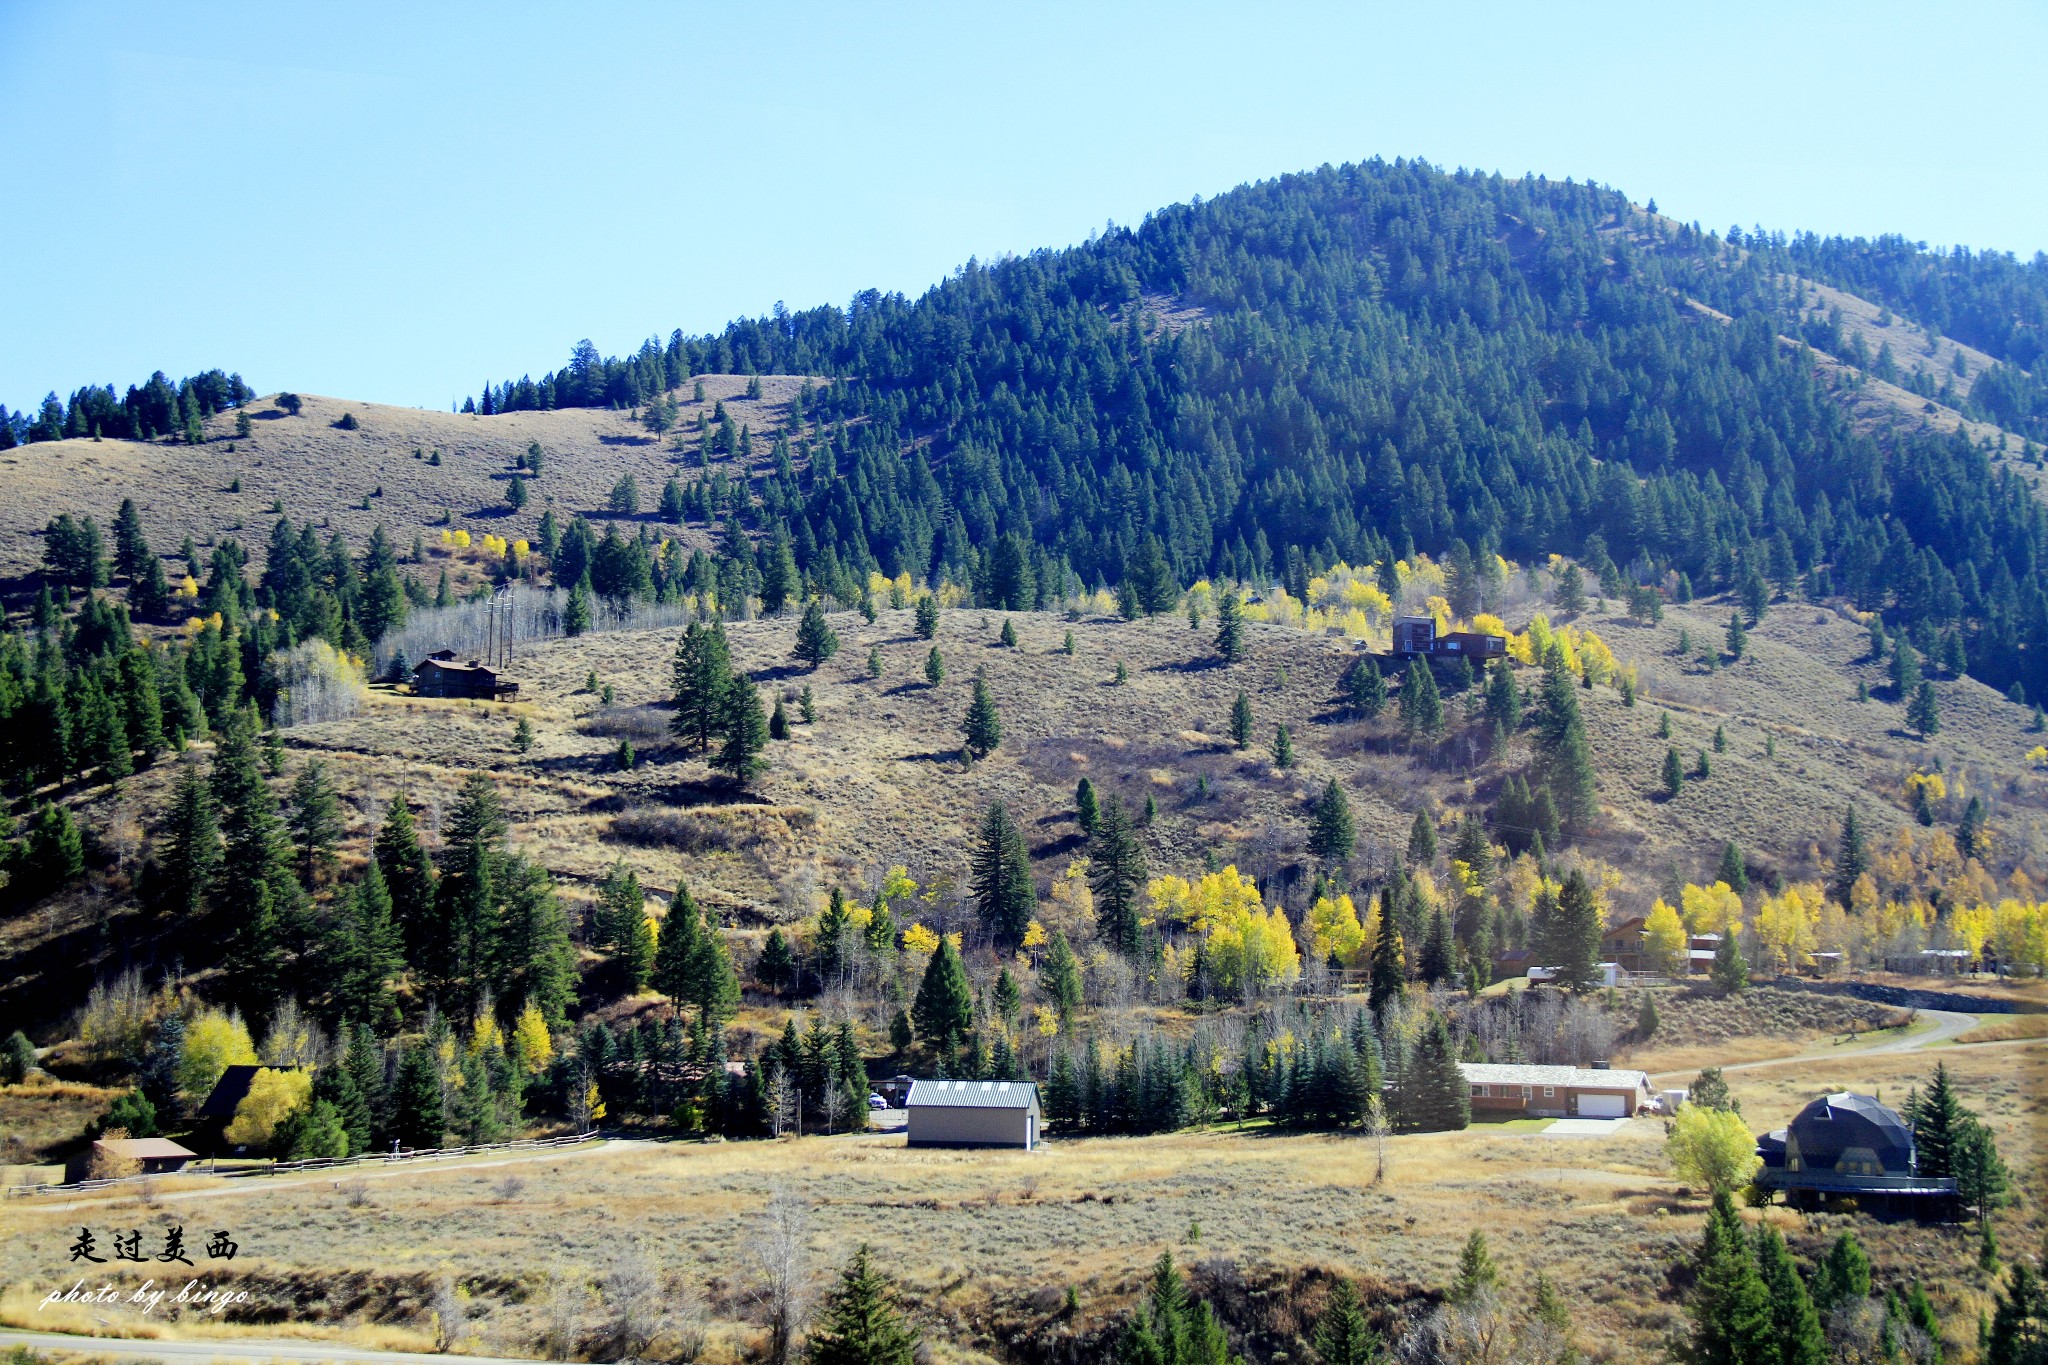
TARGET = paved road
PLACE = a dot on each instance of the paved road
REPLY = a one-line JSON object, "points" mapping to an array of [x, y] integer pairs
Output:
{"points": [[234, 1349], [1948, 1025]]}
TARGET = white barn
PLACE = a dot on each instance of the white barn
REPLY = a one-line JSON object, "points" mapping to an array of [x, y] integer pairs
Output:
{"points": [[973, 1114]]}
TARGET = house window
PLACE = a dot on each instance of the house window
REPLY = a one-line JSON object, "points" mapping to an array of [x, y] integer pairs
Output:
{"points": [[1549, 1092], [1525, 1092], [1479, 1091]]}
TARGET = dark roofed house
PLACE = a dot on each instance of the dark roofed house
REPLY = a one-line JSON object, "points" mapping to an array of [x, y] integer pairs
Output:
{"points": [[228, 1093], [1847, 1145], [437, 677]]}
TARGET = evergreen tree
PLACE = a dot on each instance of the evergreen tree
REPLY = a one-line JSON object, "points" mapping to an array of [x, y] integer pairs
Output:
{"points": [[1230, 641], [860, 1324], [372, 954], [577, 615], [623, 928], [1923, 713], [1576, 952], [700, 678], [778, 722], [1422, 705], [816, 641], [944, 1008], [1843, 1274], [408, 873], [1938, 1121], [1734, 869], [676, 949], [934, 667], [256, 892], [776, 967], [746, 733], [1564, 758], [1730, 1306], [1086, 811], [190, 846], [1342, 1336], [315, 821], [1241, 720], [1794, 1333], [1283, 747], [1674, 773], [1738, 638], [1730, 971], [1365, 688], [1478, 1277], [983, 725], [780, 580], [1116, 874], [1973, 836], [1008, 636], [1389, 976], [1422, 840], [1060, 978], [927, 617], [1852, 858], [1434, 1094], [417, 1118], [1905, 670], [1434, 964], [1000, 878], [1332, 833]]}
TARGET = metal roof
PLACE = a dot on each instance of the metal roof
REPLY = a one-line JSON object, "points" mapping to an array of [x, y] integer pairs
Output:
{"points": [[144, 1149], [972, 1095], [1504, 1073]]}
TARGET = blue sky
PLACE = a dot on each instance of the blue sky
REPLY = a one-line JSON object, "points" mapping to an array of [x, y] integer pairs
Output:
{"points": [[395, 203]]}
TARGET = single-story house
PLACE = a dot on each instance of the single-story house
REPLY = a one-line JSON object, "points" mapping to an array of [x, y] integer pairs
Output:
{"points": [[446, 678], [973, 1114], [1507, 1090], [1848, 1144], [152, 1156]]}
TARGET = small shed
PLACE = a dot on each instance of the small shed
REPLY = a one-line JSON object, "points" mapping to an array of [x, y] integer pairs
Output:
{"points": [[436, 677], [1502, 1090], [973, 1114], [153, 1156]]}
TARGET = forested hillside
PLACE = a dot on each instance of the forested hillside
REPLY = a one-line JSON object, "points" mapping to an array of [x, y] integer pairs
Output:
{"points": [[1391, 359]]}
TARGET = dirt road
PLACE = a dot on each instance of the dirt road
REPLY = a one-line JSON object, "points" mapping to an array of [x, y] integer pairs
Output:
{"points": [[118, 1348]]}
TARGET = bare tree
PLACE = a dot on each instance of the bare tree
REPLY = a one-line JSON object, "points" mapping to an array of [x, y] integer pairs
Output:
{"points": [[784, 1103], [562, 1315], [632, 1295], [781, 1253], [451, 1314], [688, 1314], [1378, 1129]]}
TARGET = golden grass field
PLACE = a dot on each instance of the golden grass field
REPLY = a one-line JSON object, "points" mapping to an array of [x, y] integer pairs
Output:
{"points": [[987, 1243]]}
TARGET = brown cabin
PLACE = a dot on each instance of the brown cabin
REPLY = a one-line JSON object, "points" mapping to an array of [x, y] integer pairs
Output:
{"points": [[439, 677], [150, 1156], [1623, 943], [1416, 637]]}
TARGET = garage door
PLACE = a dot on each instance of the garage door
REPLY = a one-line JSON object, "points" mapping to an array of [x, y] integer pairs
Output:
{"points": [[1603, 1107]]}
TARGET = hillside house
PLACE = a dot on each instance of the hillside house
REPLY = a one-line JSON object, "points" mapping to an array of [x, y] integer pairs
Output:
{"points": [[1847, 1144], [439, 677], [147, 1156], [1623, 944], [1416, 637], [973, 1114], [1505, 1090]]}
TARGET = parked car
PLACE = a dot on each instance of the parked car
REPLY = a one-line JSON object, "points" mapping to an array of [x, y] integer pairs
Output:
{"points": [[877, 1102]]}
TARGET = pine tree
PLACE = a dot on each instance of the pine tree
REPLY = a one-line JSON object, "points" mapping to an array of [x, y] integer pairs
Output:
{"points": [[623, 928], [1794, 1334], [1116, 874], [1734, 869], [860, 1324], [1730, 971], [1008, 637], [1564, 758], [1438, 1100], [408, 873], [1905, 670], [776, 967], [1342, 1336], [875, 661], [1389, 976], [1674, 773], [1241, 720], [1434, 963], [816, 641], [1060, 978], [1938, 1121], [1852, 858], [1422, 840], [1000, 878], [1730, 1307], [700, 677], [934, 667], [576, 615], [1577, 940], [1283, 747], [373, 953], [256, 893], [315, 821], [927, 617], [778, 722], [1332, 833], [780, 579], [944, 1008], [1973, 836], [675, 951], [1365, 688], [1421, 704], [1478, 1277], [1086, 811], [1924, 711], [417, 1118], [1230, 641], [190, 846], [983, 725], [1843, 1274], [745, 731], [1738, 638]]}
